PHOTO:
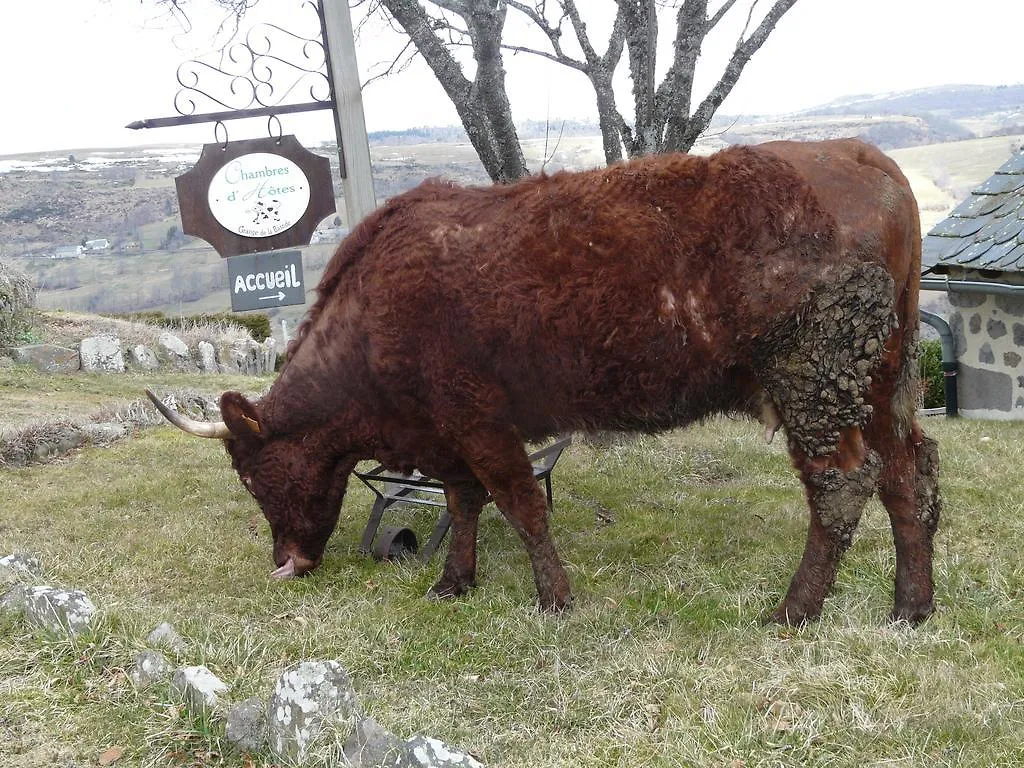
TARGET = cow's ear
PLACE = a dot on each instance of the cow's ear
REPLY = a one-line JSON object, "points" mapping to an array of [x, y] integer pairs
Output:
{"points": [[241, 415]]}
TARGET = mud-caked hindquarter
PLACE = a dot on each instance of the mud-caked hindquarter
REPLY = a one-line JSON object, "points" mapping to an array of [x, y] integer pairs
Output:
{"points": [[816, 366]]}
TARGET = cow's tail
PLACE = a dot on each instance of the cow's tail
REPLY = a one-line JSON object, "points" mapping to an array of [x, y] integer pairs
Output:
{"points": [[905, 395]]}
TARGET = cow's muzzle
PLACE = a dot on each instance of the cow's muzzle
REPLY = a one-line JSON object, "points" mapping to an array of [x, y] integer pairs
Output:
{"points": [[293, 566]]}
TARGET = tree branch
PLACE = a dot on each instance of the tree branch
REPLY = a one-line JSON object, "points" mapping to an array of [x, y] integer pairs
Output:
{"points": [[744, 50], [392, 67], [614, 131], [717, 17], [676, 90], [420, 29], [555, 57], [616, 41], [641, 45]]}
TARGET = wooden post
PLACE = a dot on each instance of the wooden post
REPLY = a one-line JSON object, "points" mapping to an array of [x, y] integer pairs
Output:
{"points": [[349, 124]]}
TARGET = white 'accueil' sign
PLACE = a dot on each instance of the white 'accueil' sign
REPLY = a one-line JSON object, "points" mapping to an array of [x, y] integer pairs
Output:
{"points": [[259, 195]]}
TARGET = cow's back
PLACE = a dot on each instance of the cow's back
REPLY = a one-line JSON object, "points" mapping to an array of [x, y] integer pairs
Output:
{"points": [[627, 297]]}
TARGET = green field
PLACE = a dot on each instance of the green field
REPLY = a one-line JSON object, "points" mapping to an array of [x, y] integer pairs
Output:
{"points": [[677, 547]]}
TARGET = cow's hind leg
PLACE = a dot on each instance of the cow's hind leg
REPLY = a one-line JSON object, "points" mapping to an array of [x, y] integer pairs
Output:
{"points": [[909, 489], [816, 375], [497, 457], [465, 498], [837, 488]]}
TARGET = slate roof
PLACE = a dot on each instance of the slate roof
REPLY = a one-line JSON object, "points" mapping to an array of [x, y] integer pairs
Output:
{"points": [[984, 232]]}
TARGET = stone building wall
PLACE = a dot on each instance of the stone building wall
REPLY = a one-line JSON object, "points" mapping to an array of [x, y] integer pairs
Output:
{"points": [[989, 333]]}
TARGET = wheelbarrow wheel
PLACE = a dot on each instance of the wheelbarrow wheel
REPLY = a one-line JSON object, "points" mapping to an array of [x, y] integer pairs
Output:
{"points": [[395, 543]]}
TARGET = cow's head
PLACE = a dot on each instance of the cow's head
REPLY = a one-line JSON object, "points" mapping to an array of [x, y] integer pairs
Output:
{"points": [[296, 479]]}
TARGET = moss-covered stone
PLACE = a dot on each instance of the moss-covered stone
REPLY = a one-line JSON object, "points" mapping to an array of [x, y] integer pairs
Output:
{"points": [[17, 300]]}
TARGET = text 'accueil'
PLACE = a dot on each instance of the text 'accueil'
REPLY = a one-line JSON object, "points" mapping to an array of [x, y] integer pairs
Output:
{"points": [[261, 281]]}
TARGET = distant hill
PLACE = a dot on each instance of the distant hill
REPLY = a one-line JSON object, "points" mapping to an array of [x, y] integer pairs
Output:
{"points": [[453, 134], [952, 101], [893, 120]]}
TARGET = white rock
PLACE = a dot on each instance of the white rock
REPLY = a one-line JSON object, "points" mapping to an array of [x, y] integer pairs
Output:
{"points": [[246, 727], [372, 746], [199, 688], [13, 599], [167, 636], [176, 351], [207, 358], [18, 567], [308, 698], [58, 610], [434, 753], [143, 357], [150, 667], [101, 354]]}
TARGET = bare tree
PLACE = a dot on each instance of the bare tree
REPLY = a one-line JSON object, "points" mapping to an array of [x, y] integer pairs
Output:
{"points": [[665, 117]]}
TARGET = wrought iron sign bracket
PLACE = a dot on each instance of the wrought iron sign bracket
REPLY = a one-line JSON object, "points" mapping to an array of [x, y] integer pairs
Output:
{"points": [[254, 80]]}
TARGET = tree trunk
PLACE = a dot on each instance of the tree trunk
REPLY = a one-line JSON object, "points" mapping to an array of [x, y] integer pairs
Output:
{"points": [[485, 28], [641, 42], [482, 104], [608, 117]]}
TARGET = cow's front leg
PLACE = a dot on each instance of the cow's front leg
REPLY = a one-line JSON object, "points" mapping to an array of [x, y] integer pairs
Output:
{"points": [[465, 498], [837, 488], [496, 456]]}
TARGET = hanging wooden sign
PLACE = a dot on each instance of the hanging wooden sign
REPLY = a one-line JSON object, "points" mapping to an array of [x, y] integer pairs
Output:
{"points": [[255, 195]]}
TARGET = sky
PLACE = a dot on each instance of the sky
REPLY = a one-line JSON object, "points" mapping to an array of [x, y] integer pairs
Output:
{"points": [[73, 73]]}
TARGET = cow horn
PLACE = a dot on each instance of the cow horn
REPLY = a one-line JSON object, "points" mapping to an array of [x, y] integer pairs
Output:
{"points": [[216, 429]]}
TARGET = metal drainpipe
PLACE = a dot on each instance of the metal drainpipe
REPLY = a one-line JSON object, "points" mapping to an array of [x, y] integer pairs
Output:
{"points": [[949, 364], [970, 286]]}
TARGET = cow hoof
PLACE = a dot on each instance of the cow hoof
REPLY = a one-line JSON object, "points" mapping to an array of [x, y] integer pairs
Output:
{"points": [[912, 614], [449, 590], [555, 604], [790, 616]]}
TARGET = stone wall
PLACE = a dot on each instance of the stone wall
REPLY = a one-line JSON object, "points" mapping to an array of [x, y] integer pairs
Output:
{"points": [[106, 353], [989, 334]]}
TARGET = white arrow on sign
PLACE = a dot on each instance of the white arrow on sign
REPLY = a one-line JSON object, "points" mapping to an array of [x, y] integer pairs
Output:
{"points": [[279, 296]]}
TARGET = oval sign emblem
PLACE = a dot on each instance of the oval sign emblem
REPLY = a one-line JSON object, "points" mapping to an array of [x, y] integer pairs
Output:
{"points": [[259, 195]]}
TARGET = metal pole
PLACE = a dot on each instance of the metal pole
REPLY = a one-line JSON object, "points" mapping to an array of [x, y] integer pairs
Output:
{"points": [[970, 286], [349, 123]]}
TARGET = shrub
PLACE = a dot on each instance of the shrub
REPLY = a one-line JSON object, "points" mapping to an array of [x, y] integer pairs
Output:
{"points": [[17, 299], [257, 323], [930, 362]]}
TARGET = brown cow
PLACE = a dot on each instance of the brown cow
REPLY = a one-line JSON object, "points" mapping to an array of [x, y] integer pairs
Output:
{"points": [[454, 324]]}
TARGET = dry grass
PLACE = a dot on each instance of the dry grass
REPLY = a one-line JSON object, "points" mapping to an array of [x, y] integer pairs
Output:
{"points": [[677, 546]]}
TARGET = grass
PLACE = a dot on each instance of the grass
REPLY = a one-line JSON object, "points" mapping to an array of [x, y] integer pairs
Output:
{"points": [[676, 545]]}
